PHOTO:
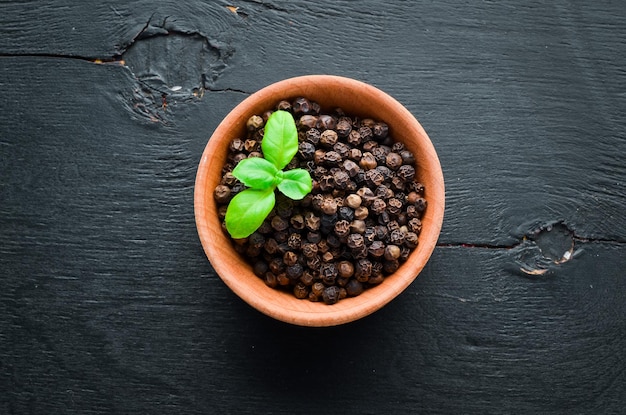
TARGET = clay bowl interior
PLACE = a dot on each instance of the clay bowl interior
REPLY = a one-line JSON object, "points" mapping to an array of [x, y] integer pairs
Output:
{"points": [[355, 98]]}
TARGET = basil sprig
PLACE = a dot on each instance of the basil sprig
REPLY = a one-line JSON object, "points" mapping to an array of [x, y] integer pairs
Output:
{"points": [[249, 208]]}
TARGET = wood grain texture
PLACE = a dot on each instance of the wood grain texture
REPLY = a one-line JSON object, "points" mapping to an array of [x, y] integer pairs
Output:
{"points": [[108, 304]]}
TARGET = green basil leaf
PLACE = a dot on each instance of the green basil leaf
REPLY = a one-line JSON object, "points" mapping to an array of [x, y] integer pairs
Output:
{"points": [[256, 172], [247, 211], [280, 139], [296, 184]]}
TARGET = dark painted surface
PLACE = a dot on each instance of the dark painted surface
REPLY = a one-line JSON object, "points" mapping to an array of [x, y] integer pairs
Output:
{"points": [[108, 304]]}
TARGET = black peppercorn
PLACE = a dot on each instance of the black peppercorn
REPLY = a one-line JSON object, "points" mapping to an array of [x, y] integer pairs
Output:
{"points": [[327, 183], [341, 179], [355, 154], [381, 232], [251, 145], [254, 123], [369, 235], [354, 138], [281, 238], [270, 280], [394, 161], [306, 150], [368, 161], [397, 184], [328, 273], [313, 136], [307, 278], [265, 228], [354, 287], [236, 146], [297, 222], [332, 158], [346, 213], [327, 223], [279, 223], [256, 240], [342, 227], [365, 133], [394, 206], [326, 122], [276, 265], [361, 213], [415, 225], [397, 147], [290, 258], [406, 173], [294, 241], [413, 212], [368, 146], [363, 270], [407, 157], [351, 167], [309, 249], [377, 249], [367, 195], [359, 253], [228, 179], [383, 218], [380, 154], [328, 138], [380, 131], [222, 193], [412, 197], [317, 288], [378, 206], [420, 204], [344, 127], [389, 267], [355, 240], [314, 237], [392, 252], [384, 192], [284, 106], [283, 279], [311, 221], [393, 225], [374, 178], [376, 279], [271, 246], [294, 271], [301, 291], [357, 226], [396, 237], [329, 206], [386, 172], [314, 262], [301, 106], [331, 295], [236, 158], [343, 150], [411, 240], [345, 269]]}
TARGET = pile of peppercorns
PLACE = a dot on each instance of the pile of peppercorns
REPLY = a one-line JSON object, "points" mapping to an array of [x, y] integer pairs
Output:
{"points": [[359, 223]]}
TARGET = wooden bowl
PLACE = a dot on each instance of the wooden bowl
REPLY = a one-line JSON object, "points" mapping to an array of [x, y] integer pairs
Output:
{"points": [[355, 98]]}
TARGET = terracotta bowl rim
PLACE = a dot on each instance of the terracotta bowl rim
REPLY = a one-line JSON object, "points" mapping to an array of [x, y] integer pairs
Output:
{"points": [[239, 277]]}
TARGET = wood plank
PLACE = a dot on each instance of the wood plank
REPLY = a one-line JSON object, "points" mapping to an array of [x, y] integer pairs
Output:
{"points": [[107, 302]]}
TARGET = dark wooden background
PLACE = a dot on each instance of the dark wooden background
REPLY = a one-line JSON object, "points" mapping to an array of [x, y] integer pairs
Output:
{"points": [[109, 305]]}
